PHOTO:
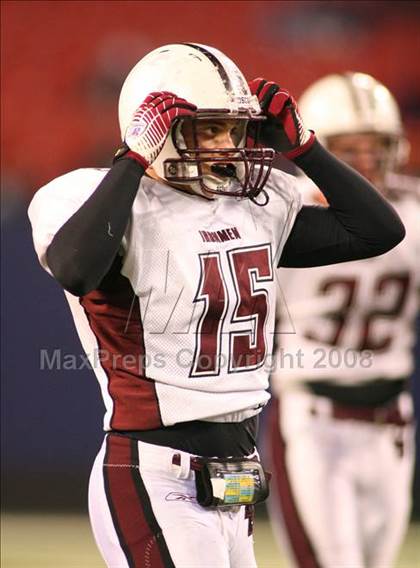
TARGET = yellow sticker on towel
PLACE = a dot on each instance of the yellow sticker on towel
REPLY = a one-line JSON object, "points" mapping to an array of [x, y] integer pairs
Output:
{"points": [[239, 488]]}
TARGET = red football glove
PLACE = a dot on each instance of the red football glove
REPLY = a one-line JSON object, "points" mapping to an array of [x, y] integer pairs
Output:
{"points": [[150, 126], [283, 130]]}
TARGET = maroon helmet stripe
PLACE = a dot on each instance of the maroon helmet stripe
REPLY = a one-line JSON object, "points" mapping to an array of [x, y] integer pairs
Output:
{"points": [[139, 533], [114, 318], [213, 59], [300, 542], [357, 97]]}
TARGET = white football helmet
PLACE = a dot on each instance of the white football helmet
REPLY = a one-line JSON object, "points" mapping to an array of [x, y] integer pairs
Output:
{"points": [[355, 103], [207, 78]]}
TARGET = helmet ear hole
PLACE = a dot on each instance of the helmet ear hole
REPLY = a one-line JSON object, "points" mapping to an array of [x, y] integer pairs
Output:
{"points": [[178, 138]]}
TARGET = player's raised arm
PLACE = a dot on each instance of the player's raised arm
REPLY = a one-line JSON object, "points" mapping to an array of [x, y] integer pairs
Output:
{"points": [[358, 223], [85, 247]]}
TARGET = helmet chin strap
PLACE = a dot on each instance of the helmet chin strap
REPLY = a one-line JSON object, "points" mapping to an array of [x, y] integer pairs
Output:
{"points": [[195, 187], [192, 187], [222, 176]]}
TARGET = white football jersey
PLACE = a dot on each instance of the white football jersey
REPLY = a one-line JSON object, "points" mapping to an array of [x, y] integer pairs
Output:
{"points": [[353, 322], [185, 330]]}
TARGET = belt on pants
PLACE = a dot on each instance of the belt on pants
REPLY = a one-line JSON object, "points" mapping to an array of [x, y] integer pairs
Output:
{"points": [[195, 463], [388, 414]]}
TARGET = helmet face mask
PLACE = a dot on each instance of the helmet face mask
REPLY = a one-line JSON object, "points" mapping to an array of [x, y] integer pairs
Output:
{"points": [[207, 78], [237, 171]]}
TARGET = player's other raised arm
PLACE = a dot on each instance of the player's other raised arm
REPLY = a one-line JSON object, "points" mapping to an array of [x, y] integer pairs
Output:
{"points": [[359, 223], [83, 250]]}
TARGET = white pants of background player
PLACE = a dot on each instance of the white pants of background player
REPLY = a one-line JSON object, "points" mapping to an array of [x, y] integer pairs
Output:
{"points": [[144, 513], [341, 489]]}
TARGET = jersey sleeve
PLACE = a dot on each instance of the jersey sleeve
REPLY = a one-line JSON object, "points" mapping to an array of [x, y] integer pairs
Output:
{"points": [[56, 202], [285, 203], [409, 210]]}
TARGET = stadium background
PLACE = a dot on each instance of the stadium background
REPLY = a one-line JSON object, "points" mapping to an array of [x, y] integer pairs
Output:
{"points": [[63, 63]]}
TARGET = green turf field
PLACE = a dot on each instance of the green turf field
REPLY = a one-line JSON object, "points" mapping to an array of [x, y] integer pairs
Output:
{"points": [[65, 541]]}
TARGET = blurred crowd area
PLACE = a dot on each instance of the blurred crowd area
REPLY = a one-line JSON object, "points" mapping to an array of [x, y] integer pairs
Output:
{"points": [[63, 63]]}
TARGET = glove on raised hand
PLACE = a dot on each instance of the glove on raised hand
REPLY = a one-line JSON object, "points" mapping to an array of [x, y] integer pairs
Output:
{"points": [[149, 128], [283, 130]]}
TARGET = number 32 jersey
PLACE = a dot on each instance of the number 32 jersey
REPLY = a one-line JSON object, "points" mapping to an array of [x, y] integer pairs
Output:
{"points": [[353, 323], [182, 326]]}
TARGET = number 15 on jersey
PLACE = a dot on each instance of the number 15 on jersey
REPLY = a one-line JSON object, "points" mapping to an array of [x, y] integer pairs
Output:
{"points": [[235, 293]]}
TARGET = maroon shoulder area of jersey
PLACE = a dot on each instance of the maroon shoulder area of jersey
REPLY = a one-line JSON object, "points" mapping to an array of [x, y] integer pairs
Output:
{"points": [[113, 312]]}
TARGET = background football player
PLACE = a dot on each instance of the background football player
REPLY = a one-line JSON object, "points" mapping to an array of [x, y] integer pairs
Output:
{"points": [[341, 432], [178, 319]]}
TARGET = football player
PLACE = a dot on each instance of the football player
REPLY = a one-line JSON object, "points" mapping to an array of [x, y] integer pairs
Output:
{"points": [[341, 431], [177, 319]]}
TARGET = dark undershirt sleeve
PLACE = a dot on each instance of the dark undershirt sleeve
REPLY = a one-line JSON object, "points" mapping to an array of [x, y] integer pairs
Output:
{"points": [[84, 248], [359, 222]]}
